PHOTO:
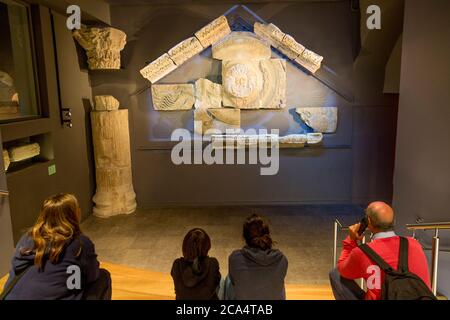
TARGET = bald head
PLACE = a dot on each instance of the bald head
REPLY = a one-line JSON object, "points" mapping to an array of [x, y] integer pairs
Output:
{"points": [[381, 216]]}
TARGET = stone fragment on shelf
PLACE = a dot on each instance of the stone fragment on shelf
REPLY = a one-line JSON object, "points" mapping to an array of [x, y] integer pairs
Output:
{"points": [[293, 141], [6, 160], [24, 152], [314, 138]]}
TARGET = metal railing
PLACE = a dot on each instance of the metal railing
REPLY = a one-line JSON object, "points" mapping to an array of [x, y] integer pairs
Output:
{"points": [[434, 246], [414, 227], [339, 227]]}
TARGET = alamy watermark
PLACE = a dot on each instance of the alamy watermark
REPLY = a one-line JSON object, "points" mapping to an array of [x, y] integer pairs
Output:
{"points": [[235, 147]]}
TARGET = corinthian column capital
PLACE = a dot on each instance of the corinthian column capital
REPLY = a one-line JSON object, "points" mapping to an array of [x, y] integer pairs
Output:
{"points": [[102, 45]]}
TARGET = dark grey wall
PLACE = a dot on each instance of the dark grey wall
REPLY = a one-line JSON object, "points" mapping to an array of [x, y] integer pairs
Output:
{"points": [[354, 165], [71, 147], [422, 165]]}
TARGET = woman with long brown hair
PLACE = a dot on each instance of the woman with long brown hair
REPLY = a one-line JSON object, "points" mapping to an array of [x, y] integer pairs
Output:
{"points": [[257, 271], [54, 260]]}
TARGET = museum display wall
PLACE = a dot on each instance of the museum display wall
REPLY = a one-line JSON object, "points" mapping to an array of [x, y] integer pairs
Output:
{"points": [[422, 165], [353, 165], [66, 159]]}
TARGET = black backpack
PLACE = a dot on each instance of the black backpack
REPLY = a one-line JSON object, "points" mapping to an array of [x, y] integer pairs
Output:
{"points": [[399, 284]]}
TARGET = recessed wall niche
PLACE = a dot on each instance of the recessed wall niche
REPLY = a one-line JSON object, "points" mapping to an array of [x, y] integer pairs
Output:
{"points": [[25, 152]]}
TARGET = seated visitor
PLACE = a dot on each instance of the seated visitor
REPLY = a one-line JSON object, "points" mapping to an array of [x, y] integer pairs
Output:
{"points": [[196, 276], [54, 260], [257, 271], [354, 263]]}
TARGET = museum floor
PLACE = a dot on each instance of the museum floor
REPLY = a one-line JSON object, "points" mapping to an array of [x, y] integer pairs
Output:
{"points": [[151, 239]]}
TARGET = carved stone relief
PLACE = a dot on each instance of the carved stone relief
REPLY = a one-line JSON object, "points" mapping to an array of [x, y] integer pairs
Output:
{"points": [[159, 68], [218, 119], [102, 45], [241, 46], [167, 97], [254, 84], [213, 32], [321, 119], [208, 94], [185, 50]]}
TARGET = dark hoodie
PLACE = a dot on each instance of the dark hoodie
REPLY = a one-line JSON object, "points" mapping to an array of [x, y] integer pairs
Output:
{"points": [[258, 274], [199, 283], [51, 282]]}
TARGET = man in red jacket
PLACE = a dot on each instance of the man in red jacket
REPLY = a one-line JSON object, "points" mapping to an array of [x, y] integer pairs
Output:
{"points": [[354, 264]]}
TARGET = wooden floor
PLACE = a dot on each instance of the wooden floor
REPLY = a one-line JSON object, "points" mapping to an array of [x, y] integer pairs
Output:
{"points": [[138, 284]]}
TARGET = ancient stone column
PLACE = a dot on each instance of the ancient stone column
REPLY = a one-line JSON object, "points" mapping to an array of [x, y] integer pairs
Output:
{"points": [[114, 194], [102, 45]]}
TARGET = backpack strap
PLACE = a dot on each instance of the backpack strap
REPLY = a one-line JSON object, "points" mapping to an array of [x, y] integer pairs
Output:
{"points": [[375, 257], [403, 255]]}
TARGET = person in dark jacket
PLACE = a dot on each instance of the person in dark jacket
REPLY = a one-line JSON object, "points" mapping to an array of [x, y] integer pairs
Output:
{"points": [[257, 271], [54, 260], [196, 276]]}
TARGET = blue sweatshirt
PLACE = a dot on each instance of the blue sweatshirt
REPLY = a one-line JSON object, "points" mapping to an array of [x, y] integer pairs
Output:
{"points": [[51, 282]]}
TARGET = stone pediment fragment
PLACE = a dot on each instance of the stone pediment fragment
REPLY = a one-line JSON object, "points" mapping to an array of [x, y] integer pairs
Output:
{"points": [[208, 94], [102, 45], [309, 60], [213, 32], [288, 46], [254, 84], [291, 48], [185, 50], [241, 46], [321, 119], [159, 68], [168, 97], [269, 32], [218, 119]]}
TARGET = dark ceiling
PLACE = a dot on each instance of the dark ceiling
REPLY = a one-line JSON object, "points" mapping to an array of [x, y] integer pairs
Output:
{"points": [[178, 2]]}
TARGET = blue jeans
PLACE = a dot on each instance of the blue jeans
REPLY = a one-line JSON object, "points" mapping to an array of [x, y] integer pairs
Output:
{"points": [[345, 289]]}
